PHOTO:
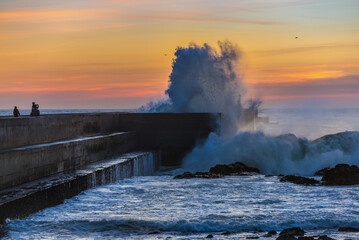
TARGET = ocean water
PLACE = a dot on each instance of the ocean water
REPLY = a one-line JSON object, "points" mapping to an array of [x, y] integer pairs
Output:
{"points": [[310, 123], [160, 207]]}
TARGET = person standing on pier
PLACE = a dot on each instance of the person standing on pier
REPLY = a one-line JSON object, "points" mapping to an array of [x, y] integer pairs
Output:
{"points": [[35, 110], [16, 112]]}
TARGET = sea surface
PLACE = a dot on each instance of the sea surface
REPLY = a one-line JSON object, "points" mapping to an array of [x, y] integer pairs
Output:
{"points": [[160, 207]]}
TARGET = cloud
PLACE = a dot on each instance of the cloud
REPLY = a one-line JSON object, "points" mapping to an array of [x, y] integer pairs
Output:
{"points": [[306, 49], [347, 86]]}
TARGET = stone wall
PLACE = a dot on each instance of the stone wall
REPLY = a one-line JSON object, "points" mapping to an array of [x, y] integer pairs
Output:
{"points": [[24, 164]]}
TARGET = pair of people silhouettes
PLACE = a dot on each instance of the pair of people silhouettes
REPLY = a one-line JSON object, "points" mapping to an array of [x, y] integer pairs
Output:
{"points": [[34, 110]]}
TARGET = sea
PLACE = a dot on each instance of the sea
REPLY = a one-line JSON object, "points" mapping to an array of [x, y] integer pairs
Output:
{"points": [[161, 207]]}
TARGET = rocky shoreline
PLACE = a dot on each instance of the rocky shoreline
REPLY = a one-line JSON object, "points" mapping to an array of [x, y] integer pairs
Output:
{"points": [[340, 175]]}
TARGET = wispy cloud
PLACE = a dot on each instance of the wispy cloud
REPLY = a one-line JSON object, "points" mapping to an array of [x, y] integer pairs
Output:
{"points": [[311, 48], [344, 86]]}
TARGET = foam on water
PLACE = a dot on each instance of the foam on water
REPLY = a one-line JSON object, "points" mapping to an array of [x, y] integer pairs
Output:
{"points": [[285, 154], [133, 208]]}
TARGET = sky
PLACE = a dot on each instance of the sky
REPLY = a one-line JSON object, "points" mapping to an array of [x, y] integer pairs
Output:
{"points": [[118, 53]]}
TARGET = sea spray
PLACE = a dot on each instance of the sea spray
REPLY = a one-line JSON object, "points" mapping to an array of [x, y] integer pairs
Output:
{"points": [[204, 80], [285, 154]]}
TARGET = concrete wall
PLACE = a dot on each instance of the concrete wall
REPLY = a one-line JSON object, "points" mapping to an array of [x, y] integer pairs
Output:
{"points": [[172, 134], [21, 165], [26, 199], [22, 131]]}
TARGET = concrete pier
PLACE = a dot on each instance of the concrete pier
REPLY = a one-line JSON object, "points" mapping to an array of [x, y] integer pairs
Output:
{"points": [[46, 159], [31, 197]]}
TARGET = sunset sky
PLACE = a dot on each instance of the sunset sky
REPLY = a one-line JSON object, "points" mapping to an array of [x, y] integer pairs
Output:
{"points": [[118, 53]]}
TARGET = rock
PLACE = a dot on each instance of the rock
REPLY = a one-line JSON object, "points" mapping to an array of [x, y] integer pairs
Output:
{"points": [[286, 237], [348, 229], [226, 233], [232, 169], [254, 237], [325, 237], [185, 175], [154, 232], [305, 238], [296, 231], [341, 174], [321, 172], [197, 175], [272, 232], [219, 171], [209, 236], [300, 180]]}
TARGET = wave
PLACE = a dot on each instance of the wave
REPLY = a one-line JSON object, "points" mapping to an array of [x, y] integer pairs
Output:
{"points": [[285, 154], [204, 80], [218, 224]]}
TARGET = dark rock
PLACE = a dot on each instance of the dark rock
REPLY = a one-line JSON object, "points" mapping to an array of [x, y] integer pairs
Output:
{"points": [[232, 169], [342, 174], [325, 237], [219, 171], [321, 172], [305, 238], [254, 237], [226, 233], [348, 229], [272, 232], [209, 236], [197, 175], [154, 232], [292, 231], [185, 175], [286, 237], [300, 180]]}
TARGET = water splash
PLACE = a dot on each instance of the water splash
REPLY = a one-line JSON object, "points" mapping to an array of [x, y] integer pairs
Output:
{"points": [[205, 80]]}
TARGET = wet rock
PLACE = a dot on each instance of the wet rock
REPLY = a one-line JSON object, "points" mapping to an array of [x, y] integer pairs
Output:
{"points": [[197, 175], [272, 232], [325, 237], [185, 175], [348, 229], [321, 172], [226, 233], [232, 169], [286, 237], [296, 231], [342, 174], [300, 180], [305, 238], [209, 236], [218, 171], [253, 237], [154, 232]]}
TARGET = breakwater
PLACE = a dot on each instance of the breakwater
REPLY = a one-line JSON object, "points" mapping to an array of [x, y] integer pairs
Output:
{"points": [[46, 159], [28, 198]]}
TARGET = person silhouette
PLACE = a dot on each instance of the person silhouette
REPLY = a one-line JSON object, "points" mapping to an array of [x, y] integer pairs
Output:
{"points": [[16, 112], [35, 110]]}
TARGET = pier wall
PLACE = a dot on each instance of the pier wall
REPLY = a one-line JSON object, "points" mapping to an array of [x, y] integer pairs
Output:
{"points": [[24, 164], [26, 199], [171, 133]]}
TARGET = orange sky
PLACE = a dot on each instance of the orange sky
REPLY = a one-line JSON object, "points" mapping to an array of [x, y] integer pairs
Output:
{"points": [[118, 53]]}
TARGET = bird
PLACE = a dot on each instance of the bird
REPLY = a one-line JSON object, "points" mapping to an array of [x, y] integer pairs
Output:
{"points": [[296, 37]]}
